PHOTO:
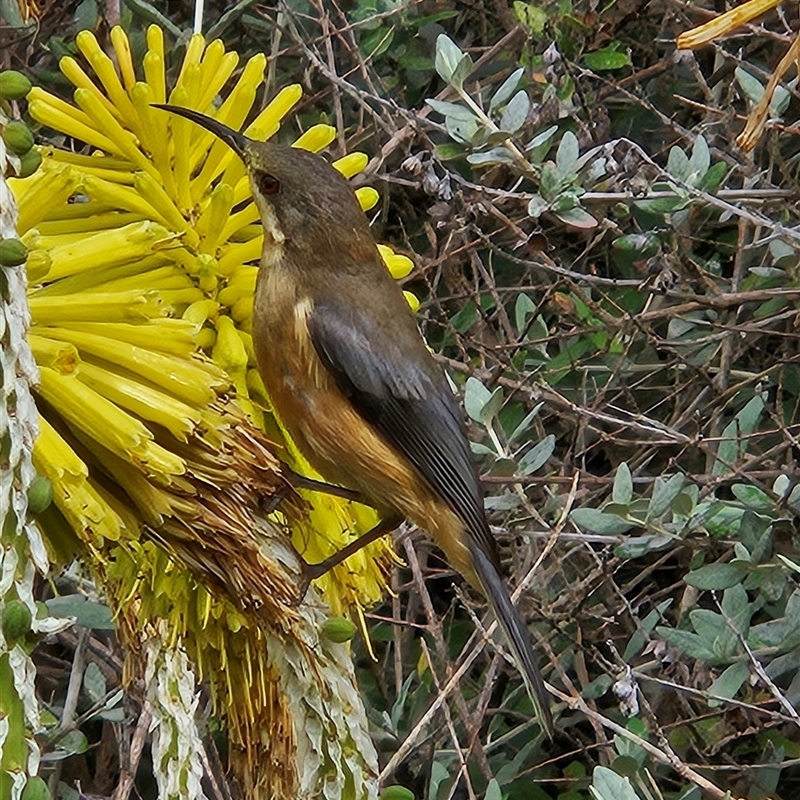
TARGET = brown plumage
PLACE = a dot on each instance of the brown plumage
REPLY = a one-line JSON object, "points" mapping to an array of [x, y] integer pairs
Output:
{"points": [[350, 377]]}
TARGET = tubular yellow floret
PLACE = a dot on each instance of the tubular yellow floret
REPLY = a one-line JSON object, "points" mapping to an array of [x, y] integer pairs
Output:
{"points": [[126, 142], [269, 120], [88, 411], [351, 164], [146, 402], [122, 48], [191, 381], [104, 68], [153, 64], [74, 73], [367, 197], [130, 306], [316, 138], [58, 120], [212, 222], [193, 52]]}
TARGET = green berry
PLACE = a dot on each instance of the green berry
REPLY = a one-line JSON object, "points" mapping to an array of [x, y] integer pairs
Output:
{"points": [[16, 620], [29, 163], [36, 789], [338, 629], [40, 494], [13, 85], [396, 793], [12, 253], [18, 137]]}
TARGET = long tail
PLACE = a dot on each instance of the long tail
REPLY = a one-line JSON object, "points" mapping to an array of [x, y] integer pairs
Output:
{"points": [[516, 633]]}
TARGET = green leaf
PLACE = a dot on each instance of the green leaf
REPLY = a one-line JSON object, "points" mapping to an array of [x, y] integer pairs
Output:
{"points": [[523, 308], [690, 643], [532, 17], [87, 612], [595, 521], [597, 688], [733, 443], [506, 89], [448, 151], [713, 178], [462, 130], [526, 423], [538, 146], [729, 682], [567, 154], [577, 217], [537, 456], [700, 160], [94, 682], [516, 112], [448, 58], [664, 492], [497, 155], [537, 205], [716, 576], [451, 110], [751, 86], [622, 492], [678, 164], [493, 791], [736, 605], [607, 58], [607, 785], [492, 406], [476, 396]]}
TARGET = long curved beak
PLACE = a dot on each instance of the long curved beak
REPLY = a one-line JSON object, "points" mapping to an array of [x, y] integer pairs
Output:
{"points": [[235, 140]]}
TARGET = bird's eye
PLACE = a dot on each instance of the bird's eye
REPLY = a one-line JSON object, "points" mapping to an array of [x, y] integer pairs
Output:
{"points": [[267, 184]]}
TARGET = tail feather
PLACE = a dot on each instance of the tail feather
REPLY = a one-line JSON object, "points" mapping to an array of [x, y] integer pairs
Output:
{"points": [[516, 634]]}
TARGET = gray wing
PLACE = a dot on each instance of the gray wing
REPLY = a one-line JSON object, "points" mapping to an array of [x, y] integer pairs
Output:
{"points": [[399, 389]]}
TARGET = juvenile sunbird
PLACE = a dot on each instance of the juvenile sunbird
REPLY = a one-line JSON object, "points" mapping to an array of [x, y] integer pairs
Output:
{"points": [[349, 375]]}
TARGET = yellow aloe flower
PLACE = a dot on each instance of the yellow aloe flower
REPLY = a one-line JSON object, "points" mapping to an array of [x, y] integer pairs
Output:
{"points": [[144, 259]]}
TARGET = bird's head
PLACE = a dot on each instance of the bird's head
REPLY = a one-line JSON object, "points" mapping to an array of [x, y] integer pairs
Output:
{"points": [[297, 192]]}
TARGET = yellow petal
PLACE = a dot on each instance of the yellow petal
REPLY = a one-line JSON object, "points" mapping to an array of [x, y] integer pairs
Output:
{"points": [[316, 138], [367, 197], [351, 164]]}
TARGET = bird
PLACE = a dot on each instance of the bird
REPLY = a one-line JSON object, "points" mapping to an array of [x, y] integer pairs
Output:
{"points": [[351, 379]]}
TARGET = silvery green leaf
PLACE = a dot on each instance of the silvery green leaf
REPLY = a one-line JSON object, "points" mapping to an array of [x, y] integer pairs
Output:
{"points": [[462, 130], [537, 205], [678, 164], [716, 576], [665, 490], [497, 155], [567, 154], [751, 86], [607, 785], [701, 157], [780, 101], [729, 682], [577, 217], [538, 455], [596, 521], [492, 406], [506, 89], [516, 112], [526, 423], [622, 491], [523, 308], [448, 57], [543, 137], [452, 110], [476, 396]]}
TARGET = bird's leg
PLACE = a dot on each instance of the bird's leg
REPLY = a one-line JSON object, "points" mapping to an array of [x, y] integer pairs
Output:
{"points": [[297, 481], [313, 571]]}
